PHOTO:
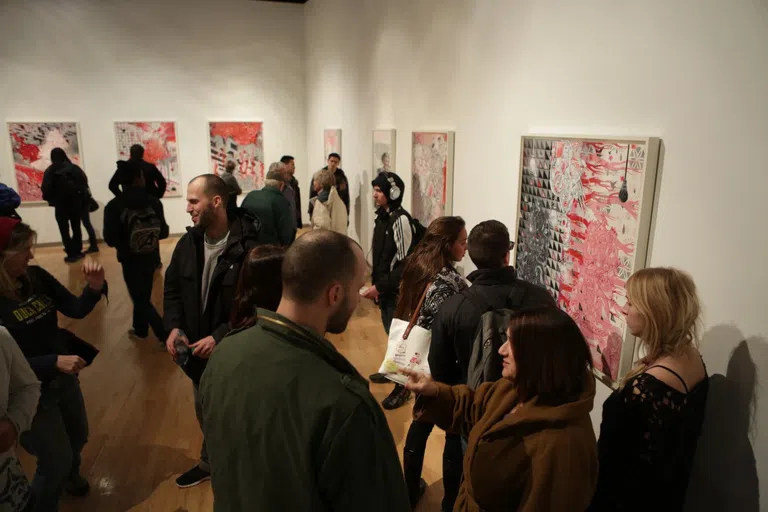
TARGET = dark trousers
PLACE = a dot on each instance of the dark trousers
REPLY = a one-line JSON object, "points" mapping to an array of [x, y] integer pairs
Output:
{"points": [[413, 462], [69, 217], [58, 434], [387, 306], [86, 218], [138, 279], [204, 464]]}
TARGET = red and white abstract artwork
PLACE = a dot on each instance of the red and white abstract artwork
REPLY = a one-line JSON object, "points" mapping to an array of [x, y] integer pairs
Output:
{"points": [[331, 142], [160, 148], [31, 144], [242, 143], [583, 230], [432, 168]]}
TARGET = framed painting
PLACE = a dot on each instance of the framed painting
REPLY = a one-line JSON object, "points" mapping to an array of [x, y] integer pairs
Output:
{"points": [[432, 175], [331, 142], [31, 145], [584, 215], [241, 142], [160, 148], [384, 151]]}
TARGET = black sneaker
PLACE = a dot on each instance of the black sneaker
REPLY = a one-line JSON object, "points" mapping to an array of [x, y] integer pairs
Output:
{"points": [[379, 378], [92, 249], [193, 477], [74, 258], [77, 486], [396, 398]]}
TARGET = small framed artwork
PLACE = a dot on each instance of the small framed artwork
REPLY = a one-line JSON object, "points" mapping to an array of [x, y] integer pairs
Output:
{"points": [[160, 148], [432, 175], [241, 142], [384, 151]]}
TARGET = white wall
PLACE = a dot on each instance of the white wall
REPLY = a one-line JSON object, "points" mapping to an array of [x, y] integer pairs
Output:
{"points": [[98, 62], [693, 72]]}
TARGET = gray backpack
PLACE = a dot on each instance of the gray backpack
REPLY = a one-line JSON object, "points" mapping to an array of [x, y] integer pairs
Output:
{"points": [[485, 361]]}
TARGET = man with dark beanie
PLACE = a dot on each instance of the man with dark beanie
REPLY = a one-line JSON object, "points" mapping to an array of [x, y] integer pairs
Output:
{"points": [[392, 241]]}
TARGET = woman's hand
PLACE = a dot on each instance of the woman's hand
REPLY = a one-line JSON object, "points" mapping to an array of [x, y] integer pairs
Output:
{"points": [[94, 274], [71, 365], [420, 383]]}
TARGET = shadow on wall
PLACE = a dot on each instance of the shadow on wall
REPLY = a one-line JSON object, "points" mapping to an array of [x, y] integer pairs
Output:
{"points": [[724, 475]]}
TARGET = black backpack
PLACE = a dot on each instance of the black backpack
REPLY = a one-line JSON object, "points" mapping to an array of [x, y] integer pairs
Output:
{"points": [[144, 227], [70, 184], [418, 231]]}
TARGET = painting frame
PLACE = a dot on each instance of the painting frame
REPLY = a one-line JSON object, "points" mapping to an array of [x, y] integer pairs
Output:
{"points": [[419, 205], [384, 141], [168, 193], [645, 205], [261, 174], [80, 154]]}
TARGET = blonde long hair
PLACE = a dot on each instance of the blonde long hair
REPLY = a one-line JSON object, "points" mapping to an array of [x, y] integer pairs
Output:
{"points": [[21, 234], [667, 301]]}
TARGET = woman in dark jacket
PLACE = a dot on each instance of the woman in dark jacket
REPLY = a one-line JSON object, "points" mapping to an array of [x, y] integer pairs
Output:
{"points": [[30, 300], [531, 446], [429, 268]]}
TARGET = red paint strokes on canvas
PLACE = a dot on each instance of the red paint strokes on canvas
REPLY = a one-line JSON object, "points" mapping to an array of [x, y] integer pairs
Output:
{"points": [[28, 182], [29, 152], [242, 133]]}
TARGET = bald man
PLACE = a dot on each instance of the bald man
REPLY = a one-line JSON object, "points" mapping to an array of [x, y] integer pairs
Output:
{"points": [[200, 285]]}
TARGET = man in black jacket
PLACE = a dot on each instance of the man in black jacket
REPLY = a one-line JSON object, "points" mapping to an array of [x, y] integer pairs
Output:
{"points": [[290, 169], [453, 330], [153, 178], [392, 241], [342, 184], [200, 285], [134, 224]]}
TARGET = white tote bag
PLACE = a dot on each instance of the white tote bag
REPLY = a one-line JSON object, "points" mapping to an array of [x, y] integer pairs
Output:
{"points": [[408, 347]]}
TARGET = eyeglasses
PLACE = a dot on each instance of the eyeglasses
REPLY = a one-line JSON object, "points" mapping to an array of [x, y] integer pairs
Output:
{"points": [[511, 245]]}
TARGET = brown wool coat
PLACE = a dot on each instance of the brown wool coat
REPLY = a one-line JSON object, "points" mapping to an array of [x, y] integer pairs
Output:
{"points": [[537, 459]]}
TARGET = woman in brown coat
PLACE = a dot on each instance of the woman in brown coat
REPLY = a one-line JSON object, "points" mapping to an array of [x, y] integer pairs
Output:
{"points": [[531, 443]]}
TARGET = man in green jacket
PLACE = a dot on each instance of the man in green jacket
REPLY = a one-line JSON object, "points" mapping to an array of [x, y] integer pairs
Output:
{"points": [[273, 210], [289, 422]]}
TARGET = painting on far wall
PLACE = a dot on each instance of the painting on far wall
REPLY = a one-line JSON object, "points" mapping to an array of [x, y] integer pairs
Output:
{"points": [[583, 225], [160, 148], [331, 142], [384, 151], [432, 175], [243, 143], [31, 145]]}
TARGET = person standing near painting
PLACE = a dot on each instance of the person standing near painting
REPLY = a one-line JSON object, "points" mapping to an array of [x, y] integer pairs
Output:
{"points": [[65, 187], [153, 178], [234, 187], [272, 209], [342, 183], [290, 167]]}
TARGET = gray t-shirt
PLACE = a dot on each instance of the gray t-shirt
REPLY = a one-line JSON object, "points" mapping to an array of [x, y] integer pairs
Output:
{"points": [[211, 253]]}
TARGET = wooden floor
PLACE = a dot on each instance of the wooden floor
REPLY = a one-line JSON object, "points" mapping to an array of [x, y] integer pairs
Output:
{"points": [[143, 430]]}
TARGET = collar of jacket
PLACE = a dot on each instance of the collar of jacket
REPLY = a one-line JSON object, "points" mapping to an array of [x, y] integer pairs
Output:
{"points": [[532, 413], [383, 214], [305, 339], [493, 276], [241, 226]]}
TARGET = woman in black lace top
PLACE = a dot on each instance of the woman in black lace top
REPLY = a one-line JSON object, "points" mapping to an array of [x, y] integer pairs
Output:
{"points": [[652, 424], [430, 267]]}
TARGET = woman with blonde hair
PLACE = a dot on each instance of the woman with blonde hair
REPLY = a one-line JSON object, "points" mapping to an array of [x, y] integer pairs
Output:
{"points": [[652, 424], [328, 210]]}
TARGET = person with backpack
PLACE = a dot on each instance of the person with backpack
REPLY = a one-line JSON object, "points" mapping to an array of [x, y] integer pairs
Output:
{"points": [[134, 224], [531, 443], [394, 237], [154, 181], [429, 278], [65, 187], [495, 287]]}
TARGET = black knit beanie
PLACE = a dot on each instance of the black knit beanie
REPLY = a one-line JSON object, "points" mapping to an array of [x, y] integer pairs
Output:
{"points": [[384, 181]]}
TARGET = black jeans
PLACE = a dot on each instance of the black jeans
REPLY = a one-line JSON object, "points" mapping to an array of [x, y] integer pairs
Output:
{"points": [[138, 279], [59, 432], [387, 306], [66, 217], [86, 218], [413, 462]]}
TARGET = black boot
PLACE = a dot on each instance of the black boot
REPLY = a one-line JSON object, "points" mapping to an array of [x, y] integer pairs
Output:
{"points": [[397, 398]]}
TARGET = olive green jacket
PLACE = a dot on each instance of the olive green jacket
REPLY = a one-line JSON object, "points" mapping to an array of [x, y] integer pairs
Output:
{"points": [[291, 426]]}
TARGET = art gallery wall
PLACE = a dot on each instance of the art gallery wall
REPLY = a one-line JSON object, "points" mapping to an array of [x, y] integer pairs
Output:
{"points": [[172, 60], [690, 72]]}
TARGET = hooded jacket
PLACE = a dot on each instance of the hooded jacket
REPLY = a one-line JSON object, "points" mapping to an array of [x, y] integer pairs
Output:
{"points": [[65, 185], [330, 214], [183, 281], [453, 331], [273, 210], [392, 241], [537, 459], [290, 425]]}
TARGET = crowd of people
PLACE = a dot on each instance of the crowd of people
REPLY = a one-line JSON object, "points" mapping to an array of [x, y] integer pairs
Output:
{"points": [[288, 422]]}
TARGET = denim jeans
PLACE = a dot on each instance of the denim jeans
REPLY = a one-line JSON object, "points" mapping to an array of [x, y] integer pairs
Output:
{"points": [[138, 279], [204, 464], [58, 434]]}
